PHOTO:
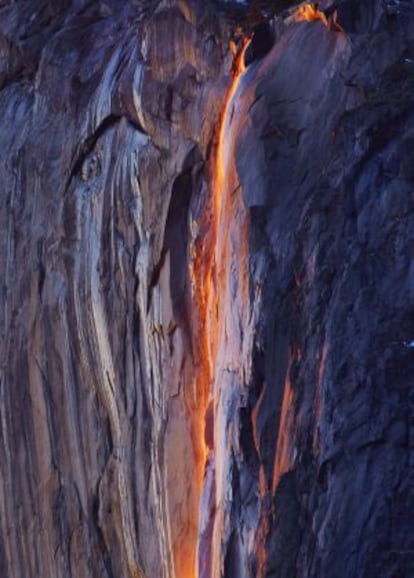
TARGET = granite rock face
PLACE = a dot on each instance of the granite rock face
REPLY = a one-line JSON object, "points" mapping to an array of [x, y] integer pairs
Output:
{"points": [[207, 292]]}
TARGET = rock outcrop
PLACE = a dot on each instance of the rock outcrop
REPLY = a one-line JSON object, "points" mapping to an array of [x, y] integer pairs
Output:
{"points": [[207, 290]]}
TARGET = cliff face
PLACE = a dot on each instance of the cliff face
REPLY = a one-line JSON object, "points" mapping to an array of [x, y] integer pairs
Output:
{"points": [[206, 341]]}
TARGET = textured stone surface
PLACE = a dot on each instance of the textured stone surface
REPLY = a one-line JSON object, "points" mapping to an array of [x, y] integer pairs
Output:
{"points": [[123, 451]]}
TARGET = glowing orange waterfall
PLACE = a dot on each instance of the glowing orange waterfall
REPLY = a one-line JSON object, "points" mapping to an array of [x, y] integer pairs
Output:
{"points": [[219, 191], [206, 288], [219, 304], [220, 169]]}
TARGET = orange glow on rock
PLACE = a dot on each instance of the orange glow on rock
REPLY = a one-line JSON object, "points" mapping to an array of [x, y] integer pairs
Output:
{"points": [[285, 443], [308, 13], [263, 528]]}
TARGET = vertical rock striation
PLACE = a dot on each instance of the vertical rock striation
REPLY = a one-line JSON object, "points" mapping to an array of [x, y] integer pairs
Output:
{"points": [[206, 342], [102, 147]]}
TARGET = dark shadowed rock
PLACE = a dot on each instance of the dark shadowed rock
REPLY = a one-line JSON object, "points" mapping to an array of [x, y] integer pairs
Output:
{"points": [[262, 41]]}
